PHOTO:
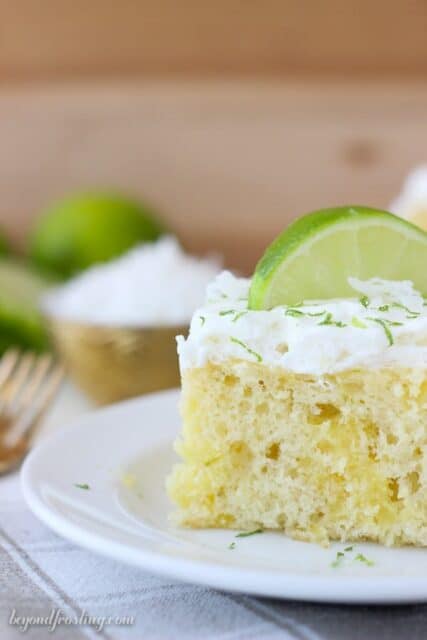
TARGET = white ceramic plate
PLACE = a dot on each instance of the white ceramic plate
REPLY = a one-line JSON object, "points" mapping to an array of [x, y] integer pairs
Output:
{"points": [[130, 523]]}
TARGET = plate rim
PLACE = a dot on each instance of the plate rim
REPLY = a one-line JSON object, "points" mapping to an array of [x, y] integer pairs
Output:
{"points": [[253, 581]]}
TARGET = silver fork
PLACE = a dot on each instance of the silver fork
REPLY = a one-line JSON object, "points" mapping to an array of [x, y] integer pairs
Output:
{"points": [[28, 384]]}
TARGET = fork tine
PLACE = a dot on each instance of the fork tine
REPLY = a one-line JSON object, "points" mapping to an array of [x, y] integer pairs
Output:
{"points": [[7, 364], [50, 388], [17, 381], [40, 370], [30, 419]]}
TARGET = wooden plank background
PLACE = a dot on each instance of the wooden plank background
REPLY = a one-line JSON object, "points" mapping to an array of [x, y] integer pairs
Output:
{"points": [[231, 116], [229, 164], [60, 39]]}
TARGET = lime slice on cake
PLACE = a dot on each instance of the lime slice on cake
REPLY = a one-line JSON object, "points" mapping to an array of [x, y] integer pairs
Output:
{"points": [[314, 257], [21, 324]]}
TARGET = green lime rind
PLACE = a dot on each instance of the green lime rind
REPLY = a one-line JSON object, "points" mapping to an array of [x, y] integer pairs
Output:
{"points": [[89, 228], [26, 333], [4, 245], [314, 257], [21, 323]]}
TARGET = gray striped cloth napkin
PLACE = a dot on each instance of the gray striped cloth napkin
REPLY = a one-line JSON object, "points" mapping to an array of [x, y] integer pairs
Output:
{"points": [[51, 588]]}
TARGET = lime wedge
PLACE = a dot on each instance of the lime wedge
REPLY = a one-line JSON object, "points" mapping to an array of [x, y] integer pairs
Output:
{"points": [[314, 257], [21, 324]]}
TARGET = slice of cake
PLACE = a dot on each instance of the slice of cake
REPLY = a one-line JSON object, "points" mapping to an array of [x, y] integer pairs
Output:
{"points": [[309, 418]]}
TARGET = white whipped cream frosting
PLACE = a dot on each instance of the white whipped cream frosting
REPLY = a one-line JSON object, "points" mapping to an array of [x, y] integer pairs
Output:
{"points": [[385, 324]]}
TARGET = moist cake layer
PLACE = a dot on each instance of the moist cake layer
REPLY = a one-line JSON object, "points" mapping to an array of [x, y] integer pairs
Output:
{"points": [[338, 457]]}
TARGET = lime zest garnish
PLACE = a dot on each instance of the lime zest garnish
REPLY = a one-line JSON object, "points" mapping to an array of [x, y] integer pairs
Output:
{"points": [[239, 315], [84, 486], [361, 558], [338, 559], [387, 331], [331, 322], [248, 349], [294, 313], [315, 315], [202, 320], [364, 301], [246, 534], [232, 545], [356, 322], [398, 305], [291, 311], [341, 557]]}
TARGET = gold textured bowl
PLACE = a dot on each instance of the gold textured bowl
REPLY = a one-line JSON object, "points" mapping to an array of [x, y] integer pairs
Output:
{"points": [[114, 363]]}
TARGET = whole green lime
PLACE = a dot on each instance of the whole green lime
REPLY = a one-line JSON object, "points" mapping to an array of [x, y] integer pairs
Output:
{"points": [[21, 322], [84, 229], [4, 245]]}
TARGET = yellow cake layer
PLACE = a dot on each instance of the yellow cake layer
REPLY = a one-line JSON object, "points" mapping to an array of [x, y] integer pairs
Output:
{"points": [[337, 457]]}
